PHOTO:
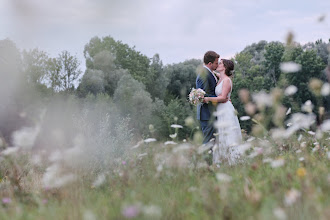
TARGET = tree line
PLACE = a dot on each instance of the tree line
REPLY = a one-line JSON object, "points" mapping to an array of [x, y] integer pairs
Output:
{"points": [[152, 95]]}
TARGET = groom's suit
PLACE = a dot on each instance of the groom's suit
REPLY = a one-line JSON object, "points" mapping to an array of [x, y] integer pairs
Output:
{"points": [[206, 81]]}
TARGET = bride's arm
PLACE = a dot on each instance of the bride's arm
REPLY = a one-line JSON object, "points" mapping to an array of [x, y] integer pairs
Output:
{"points": [[226, 87]]}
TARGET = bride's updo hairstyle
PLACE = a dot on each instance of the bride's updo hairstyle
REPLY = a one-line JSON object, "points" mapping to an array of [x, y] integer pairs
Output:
{"points": [[229, 65]]}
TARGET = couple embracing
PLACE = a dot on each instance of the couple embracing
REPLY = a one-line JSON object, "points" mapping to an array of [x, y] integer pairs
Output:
{"points": [[217, 115]]}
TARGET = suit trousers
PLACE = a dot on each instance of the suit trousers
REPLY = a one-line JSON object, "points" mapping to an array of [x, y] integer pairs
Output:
{"points": [[207, 129]]}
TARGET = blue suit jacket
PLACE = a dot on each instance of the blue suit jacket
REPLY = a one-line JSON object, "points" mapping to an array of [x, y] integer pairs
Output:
{"points": [[206, 81]]}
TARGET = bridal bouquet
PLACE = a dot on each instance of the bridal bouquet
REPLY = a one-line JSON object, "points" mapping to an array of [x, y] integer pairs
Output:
{"points": [[196, 96]]}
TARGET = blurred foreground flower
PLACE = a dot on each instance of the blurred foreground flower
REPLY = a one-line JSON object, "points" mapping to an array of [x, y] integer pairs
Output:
{"points": [[176, 126], [325, 91], [222, 177], [279, 213], [148, 140], [6, 200], [290, 90], [290, 67], [131, 211], [291, 197], [301, 172], [277, 163]]}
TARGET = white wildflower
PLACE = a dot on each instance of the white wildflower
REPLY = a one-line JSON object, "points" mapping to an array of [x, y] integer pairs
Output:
{"points": [[176, 126], [173, 135], [277, 163], [267, 160], [25, 137], [299, 138], [262, 99], [298, 151], [245, 118], [290, 90], [182, 147], [325, 126], [311, 133], [138, 144], [251, 139], [307, 106], [301, 158], [325, 90], [10, 150], [152, 211], [99, 180], [170, 142], [279, 214], [149, 140], [222, 177], [288, 111], [142, 155], [291, 197], [290, 67], [89, 215]]}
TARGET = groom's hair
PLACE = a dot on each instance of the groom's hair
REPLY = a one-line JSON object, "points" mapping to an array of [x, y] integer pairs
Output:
{"points": [[210, 56]]}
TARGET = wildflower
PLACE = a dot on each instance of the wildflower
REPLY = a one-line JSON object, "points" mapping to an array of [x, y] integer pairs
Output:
{"points": [[325, 126], [6, 200], [173, 135], [301, 158], [244, 95], [170, 142], [307, 106], [142, 155], [250, 108], [315, 86], [131, 211], [311, 133], [10, 150], [291, 197], [152, 211], [290, 67], [277, 163], [262, 99], [222, 177], [25, 137], [298, 151], [245, 118], [99, 180], [89, 215], [189, 121], [290, 90], [176, 126], [301, 172], [279, 213], [325, 90], [148, 140], [288, 111], [138, 144]]}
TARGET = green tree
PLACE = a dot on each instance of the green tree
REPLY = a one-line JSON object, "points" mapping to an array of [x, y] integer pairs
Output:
{"points": [[273, 56], [135, 102], [126, 57]]}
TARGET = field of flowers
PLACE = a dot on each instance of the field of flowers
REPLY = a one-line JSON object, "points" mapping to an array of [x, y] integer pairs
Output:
{"points": [[285, 173]]}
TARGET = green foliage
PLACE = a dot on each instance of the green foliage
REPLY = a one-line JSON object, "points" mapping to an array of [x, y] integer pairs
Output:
{"points": [[273, 56], [182, 78], [126, 57], [134, 102]]}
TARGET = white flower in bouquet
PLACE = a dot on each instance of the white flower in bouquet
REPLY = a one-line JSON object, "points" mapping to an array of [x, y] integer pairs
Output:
{"points": [[196, 96]]}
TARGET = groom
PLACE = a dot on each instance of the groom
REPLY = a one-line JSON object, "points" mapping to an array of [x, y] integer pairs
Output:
{"points": [[207, 81]]}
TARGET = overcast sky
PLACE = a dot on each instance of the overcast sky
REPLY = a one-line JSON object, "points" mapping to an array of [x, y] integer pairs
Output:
{"points": [[175, 29]]}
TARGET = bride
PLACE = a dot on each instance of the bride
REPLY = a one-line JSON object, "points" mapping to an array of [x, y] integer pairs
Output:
{"points": [[227, 124]]}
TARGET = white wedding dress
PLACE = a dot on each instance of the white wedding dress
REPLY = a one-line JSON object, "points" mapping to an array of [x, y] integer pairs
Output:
{"points": [[229, 134]]}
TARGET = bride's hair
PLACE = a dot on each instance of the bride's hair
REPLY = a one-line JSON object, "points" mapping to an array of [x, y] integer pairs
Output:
{"points": [[229, 65]]}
